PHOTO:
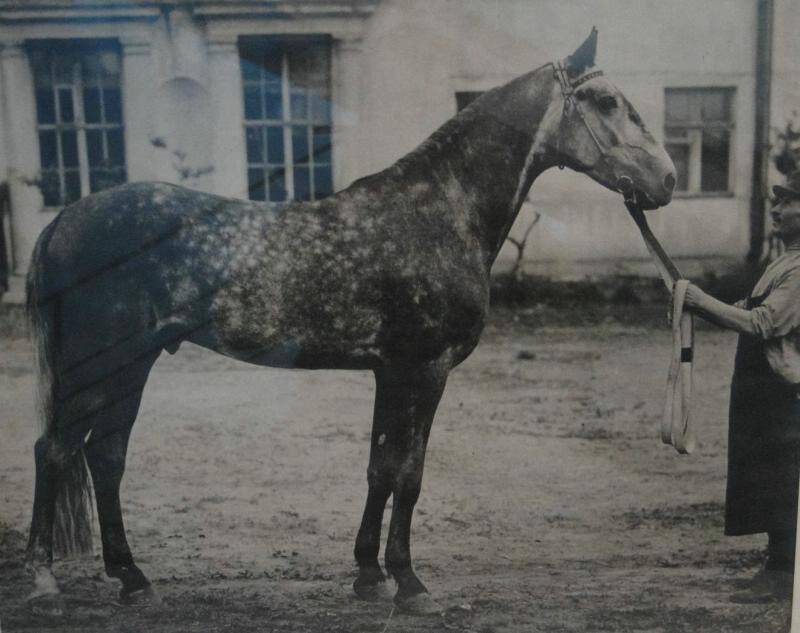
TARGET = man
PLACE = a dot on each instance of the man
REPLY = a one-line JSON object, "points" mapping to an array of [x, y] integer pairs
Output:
{"points": [[764, 417]]}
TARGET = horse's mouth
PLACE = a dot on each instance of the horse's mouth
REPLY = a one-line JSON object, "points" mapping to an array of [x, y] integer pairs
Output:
{"points": [[637, 197], [643, 201]]}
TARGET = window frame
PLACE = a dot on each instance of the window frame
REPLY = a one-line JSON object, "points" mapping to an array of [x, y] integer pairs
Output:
{"points": [[694, 141], [79, 82], [250, 45]]}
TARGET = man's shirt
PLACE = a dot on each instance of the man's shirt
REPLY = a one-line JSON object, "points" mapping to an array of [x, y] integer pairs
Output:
{"points": [[777, 319]]}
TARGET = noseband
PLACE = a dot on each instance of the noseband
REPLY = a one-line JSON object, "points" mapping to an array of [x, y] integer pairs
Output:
{"points": [[571, 103]]}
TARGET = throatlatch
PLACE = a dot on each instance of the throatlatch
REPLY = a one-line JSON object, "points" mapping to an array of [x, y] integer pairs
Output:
{"points": [[675, 423]]}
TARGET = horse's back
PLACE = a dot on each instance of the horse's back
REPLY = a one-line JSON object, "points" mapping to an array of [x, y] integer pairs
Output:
{"points": [[105, 264], [101, 231]]}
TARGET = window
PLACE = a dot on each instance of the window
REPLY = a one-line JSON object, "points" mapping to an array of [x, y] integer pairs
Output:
{"points": [[463, 99], [698, 130], [79, 118], [287, 114]]}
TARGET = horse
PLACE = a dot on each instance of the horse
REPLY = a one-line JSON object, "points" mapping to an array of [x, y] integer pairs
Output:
{"points": [[389, 275]]}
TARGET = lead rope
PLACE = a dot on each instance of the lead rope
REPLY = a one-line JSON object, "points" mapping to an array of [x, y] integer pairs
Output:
{"points": [[675, 423]]}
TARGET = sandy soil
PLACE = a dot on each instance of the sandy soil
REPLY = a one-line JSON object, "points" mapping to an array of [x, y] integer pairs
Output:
{"points": [[548, 503]]}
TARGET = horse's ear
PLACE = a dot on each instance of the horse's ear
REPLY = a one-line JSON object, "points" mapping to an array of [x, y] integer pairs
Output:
{"points": [[583, 57]]}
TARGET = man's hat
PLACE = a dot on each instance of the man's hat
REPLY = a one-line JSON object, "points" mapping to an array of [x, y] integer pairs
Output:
{"points": [[792, 189]]}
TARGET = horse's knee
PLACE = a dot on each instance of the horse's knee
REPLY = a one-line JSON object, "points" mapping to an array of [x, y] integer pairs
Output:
{"points": [[106, 457], [407, 486], [380, 479]]}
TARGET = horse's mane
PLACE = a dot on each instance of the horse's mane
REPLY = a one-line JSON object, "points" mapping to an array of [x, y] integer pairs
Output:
{"points": [[466, 118], [477, 111]]}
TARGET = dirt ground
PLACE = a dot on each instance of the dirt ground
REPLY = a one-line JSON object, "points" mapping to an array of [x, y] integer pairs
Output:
{"points": [[548, 502]]}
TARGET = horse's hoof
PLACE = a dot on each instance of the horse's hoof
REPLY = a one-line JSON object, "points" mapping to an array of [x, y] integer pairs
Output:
{"points": [[377, 592], [49, 604], [419, 604], [143, 596]]}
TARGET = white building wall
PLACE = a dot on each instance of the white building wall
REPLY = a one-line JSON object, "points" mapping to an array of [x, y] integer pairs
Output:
{"points": [[644, 46], [394, 78]]}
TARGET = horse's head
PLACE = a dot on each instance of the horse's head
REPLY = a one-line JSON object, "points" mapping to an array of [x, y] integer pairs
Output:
{"points": [[591, 127]]}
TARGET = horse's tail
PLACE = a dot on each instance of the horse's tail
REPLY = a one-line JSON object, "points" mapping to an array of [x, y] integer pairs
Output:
{"points": [[72, 532]]}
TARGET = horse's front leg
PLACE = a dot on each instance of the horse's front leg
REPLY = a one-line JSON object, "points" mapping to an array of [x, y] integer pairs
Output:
{"points": [[409, 397], [370, 584]]}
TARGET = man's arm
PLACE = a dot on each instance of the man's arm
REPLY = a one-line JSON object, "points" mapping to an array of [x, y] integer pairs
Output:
{"points": [[716, 311]]}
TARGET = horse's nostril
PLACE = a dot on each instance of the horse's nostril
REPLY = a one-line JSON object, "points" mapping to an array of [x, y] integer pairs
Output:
{"points": [[669, 182]]}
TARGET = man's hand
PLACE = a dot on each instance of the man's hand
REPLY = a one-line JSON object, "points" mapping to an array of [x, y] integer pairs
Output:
{"points": [[722, 314], [695, 298]]}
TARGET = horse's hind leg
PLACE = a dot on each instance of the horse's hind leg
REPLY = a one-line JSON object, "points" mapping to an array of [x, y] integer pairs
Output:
{"points": [[106, 450], [406, 401], [46, 596]]}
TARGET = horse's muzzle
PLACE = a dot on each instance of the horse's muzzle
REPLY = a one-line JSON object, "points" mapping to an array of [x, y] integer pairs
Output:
{"points": [[639, 197]]}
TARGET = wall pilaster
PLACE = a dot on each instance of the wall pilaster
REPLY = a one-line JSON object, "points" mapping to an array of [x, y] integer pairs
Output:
{"points": [[227, 111], [21, 151]]}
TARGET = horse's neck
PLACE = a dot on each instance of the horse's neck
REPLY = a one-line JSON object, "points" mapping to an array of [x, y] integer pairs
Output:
{"points": [[484, 162]]}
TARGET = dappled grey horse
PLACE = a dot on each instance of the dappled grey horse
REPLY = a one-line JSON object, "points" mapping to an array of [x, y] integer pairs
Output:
{"points": [[389, 275]]}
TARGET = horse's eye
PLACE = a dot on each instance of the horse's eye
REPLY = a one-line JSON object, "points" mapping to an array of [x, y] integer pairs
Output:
{"points": [[635, 118], [607, 103]]}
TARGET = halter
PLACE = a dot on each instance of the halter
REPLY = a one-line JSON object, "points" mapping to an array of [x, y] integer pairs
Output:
{"points": [[570, 102]]}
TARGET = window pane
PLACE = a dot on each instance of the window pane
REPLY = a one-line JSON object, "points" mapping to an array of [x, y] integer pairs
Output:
{"points": [[308, 66], [65, 104], [69, 148], [116, 147], [40, 63], [322, 144], [255, 149], [94, 147], [275, 144], [302, 186], [101, 67], [255, 184], [300, 143], [322, 182], [91, 105], [51, 188], [676, 132], [72, 181], [252, 103], [45, 106], [715, 153], [63, 65], [273, 104], [676, 106], [277, 185], [250, 70], [119, 175], [320, 109], [680, 157], [112, 101], [463, 99], [97, 180], [299, 105], [271, 61], [100, 179], [48, 149]]}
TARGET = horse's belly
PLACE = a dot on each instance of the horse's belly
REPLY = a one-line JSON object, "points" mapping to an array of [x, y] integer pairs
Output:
{"points": [[262, 329]]}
